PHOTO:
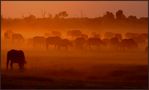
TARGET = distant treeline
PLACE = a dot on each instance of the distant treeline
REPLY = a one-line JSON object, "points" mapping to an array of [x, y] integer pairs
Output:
{"points": [[61, 21]]}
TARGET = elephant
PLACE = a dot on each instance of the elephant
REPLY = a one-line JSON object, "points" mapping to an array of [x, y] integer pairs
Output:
{"points": [[16, 56]]}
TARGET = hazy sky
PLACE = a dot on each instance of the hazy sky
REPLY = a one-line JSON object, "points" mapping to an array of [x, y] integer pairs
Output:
{"points": [[74, 8]]}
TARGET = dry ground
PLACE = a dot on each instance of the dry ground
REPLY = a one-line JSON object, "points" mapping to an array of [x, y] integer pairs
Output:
{"points": [[52, 69]]}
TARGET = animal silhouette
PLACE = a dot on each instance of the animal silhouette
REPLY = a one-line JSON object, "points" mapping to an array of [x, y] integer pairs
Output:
{"points": [[94, 42], [54, 41], [114, 42], [16, 56], [79, 42], [39, 41], [16, 37], [128, 44], [64, 43]]}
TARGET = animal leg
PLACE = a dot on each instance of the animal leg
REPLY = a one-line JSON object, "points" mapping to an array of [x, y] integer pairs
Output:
{"points": [[21, 66], [11, 65], [7, 64], [47, 46]]}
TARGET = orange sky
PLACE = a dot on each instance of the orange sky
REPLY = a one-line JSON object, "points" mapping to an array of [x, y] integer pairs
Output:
{"points": [[74, 8]]}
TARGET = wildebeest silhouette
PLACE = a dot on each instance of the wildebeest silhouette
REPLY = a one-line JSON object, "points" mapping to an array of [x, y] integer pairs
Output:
{"points": [[16, 56]]}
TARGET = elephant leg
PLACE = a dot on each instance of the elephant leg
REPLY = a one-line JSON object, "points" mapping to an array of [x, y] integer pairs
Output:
{"points": [[11, 65], [21, 66], [7, 64]]}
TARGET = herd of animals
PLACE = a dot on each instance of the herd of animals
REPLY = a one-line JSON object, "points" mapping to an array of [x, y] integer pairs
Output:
{"points": [[131, 41], [117, 42]]}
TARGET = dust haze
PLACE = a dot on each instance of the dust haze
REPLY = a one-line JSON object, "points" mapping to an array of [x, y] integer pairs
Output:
{"points": [[103, 52]]}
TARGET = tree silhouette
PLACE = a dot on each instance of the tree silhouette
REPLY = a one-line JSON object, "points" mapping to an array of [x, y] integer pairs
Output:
{"points": [[106, 22], [29, 20], [108, 17], [132, 19], [62, 14], [74, 33], [30, 17], [120, 15]]}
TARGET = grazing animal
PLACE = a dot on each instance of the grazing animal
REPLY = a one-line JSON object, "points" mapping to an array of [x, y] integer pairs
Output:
{"points": [[94, 42], [64, 43], [39, 41], [8, 34], [80, 42], [128, 44], [16, 37], [106, 42], [114, 42], [54, 41], [16, 56]]}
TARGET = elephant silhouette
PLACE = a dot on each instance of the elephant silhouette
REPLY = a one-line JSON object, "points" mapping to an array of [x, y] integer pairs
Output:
{"points": [[16, 56]]}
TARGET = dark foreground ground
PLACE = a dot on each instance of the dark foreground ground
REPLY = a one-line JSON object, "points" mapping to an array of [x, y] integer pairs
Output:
{"points": [[119, 76], [102, 71]]}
